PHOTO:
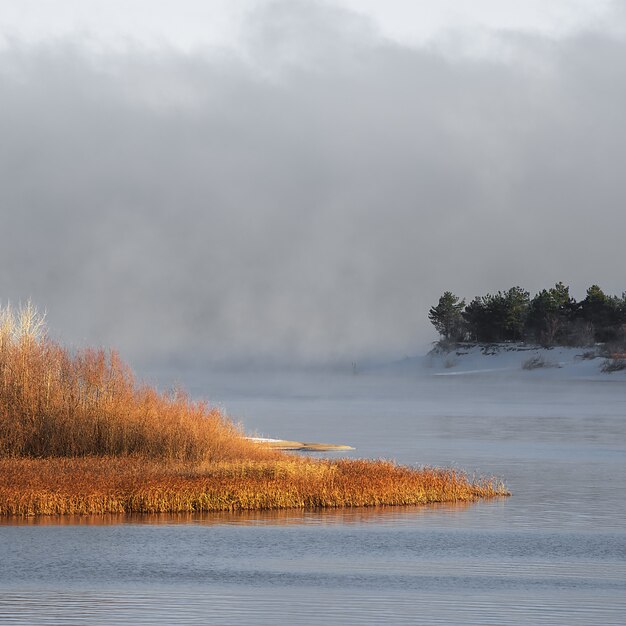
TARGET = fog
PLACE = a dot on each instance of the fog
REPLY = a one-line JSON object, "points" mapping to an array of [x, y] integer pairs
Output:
{"points": [[308, 197]]}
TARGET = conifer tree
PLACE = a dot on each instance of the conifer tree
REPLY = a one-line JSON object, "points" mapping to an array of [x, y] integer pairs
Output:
{"points": [[446, 317], [599, 310], [549, 314], [516, 311]]}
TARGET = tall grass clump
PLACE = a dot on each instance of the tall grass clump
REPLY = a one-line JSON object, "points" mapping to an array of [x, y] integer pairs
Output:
{"points": [[98, 485], [55, 402]]}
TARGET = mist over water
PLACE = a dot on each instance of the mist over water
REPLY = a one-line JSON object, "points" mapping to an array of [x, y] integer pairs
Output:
{"points": [[307, 196]]}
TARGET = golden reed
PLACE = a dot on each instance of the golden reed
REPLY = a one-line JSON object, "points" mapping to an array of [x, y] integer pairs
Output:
{"points": [[57, 403], [78, 435], [138, 485]]}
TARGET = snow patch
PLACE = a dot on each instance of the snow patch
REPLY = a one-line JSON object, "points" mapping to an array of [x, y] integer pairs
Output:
{"points": [[528, 360]]}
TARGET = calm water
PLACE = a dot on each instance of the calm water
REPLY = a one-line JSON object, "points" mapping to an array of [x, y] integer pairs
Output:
{"points": [[553, 553]]}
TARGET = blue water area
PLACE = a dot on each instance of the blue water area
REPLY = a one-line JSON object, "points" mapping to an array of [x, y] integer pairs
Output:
{"points": [[552, 553]]}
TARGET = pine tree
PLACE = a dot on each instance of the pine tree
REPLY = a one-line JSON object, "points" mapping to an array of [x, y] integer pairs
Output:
{"points": [[516, 311], [549, 314], [600, 311], [446, 317], [477, 320]]}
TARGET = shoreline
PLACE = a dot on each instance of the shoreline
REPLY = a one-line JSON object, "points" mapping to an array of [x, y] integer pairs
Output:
{"points": [[102, 485], [300, 446]]}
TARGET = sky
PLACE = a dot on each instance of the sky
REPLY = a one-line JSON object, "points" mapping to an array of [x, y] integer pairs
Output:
{"points": [[299, 181]]}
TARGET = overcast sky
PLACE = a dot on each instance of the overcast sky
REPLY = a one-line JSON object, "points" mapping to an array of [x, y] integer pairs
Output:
{"points": [[302, 180]]}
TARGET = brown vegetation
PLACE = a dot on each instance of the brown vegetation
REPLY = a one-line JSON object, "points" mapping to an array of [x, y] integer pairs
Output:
{"points": [[131, 484], [79, 435], [57, 403]]}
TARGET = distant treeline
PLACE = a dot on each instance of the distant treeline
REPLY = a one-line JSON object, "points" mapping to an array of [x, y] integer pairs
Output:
{"points": [[551, 317]]}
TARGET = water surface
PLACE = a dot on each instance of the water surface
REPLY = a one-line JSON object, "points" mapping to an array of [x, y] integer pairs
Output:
{"points": [[553, 553]]}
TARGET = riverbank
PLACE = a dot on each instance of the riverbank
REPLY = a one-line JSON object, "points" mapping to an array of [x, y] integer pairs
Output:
{"points": [[98, 485], [592, 362]]}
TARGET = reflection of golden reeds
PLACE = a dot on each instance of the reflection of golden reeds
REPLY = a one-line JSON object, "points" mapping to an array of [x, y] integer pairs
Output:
{"points": [[133, 484], [277, 517], [78, 435]]}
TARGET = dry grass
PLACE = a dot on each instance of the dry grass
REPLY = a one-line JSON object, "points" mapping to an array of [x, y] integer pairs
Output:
{"points": [[538, 362], [78, 435], [615, 364], [57, 403], [137, 485]]}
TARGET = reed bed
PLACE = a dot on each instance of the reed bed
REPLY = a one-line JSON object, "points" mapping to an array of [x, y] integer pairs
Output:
{"points": [[54, 402], [96, 485], [78, 435]]}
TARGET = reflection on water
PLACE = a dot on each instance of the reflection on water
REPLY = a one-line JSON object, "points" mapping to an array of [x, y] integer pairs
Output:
{"points": [[553, 553], [362, 515]]}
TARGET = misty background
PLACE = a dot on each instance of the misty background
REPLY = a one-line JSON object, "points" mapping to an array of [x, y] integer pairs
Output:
{"points": [[307, 195]]}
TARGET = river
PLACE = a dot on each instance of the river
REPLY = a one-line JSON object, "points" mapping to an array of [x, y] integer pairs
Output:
{"points": [[552, 553]]}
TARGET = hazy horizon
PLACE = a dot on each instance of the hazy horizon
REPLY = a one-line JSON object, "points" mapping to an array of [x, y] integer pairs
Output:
{"points": [[304, 183]]}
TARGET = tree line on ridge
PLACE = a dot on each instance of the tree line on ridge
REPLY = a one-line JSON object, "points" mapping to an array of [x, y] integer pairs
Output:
{"points": [[552, 317]]}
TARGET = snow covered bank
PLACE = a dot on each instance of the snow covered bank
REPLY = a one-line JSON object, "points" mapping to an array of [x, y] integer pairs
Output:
{"points": [[529, 360]]}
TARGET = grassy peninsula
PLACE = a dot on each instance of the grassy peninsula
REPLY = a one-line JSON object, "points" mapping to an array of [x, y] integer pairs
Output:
{"points": [[78, 434]]}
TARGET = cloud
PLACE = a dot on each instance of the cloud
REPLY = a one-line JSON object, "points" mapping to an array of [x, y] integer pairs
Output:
{"points": [[310, 199]]}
